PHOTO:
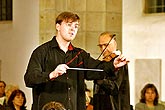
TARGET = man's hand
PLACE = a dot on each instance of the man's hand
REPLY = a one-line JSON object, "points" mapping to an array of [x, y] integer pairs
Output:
{"points": [[120, 61], [60, 70]]}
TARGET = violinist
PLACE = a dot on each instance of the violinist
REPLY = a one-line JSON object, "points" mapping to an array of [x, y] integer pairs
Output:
{"points": [[111, 93]]}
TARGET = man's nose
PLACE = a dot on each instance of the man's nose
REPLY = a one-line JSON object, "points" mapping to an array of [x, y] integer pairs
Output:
{"points": [[102, 47]]}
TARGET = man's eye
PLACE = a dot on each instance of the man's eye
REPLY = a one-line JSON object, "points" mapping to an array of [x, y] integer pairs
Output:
{"points": [[76, 26], [69, 24]]}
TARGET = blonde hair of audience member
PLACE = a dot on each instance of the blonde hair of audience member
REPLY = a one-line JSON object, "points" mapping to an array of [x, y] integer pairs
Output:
{"points": [[87, 95], [9, 90], [53, 106], [89, 98], [2, 92], [149, 99], [17, 100]]}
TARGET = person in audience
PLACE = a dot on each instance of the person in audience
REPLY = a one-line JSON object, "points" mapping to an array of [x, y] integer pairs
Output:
{"points": [[9, 89], [149, 99], [53, 106], [2, 93], [111, 93], [89, 99], [17, 100]]}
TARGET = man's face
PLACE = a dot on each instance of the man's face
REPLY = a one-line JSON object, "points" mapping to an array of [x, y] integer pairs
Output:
{"points": [[2, 89], [103, 42], [67, 30]]}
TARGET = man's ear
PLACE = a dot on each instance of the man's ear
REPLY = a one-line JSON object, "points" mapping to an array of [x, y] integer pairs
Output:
{"points": [[57, 26]]}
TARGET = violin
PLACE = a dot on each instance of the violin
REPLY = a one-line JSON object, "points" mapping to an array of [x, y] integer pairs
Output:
{"points": [[112, 55]]}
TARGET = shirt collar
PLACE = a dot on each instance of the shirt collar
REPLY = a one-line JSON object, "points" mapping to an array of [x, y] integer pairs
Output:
{"points": [[54, 43]]}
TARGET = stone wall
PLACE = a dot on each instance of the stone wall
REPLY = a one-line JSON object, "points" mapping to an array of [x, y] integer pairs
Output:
{"points": [[96, 17]]}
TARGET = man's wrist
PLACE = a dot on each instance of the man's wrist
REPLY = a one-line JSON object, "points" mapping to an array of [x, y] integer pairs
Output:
{"points": [[53, 75]]}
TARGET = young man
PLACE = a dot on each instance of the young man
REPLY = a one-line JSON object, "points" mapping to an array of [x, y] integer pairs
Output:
{"points": [[111, 93], [50, 72]]}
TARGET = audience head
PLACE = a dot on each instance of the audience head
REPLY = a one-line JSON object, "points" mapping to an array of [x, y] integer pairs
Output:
{"points": [[2, 88], [149, 93], [17, 98], [53, 106], [87, 96], [10, 89]]}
